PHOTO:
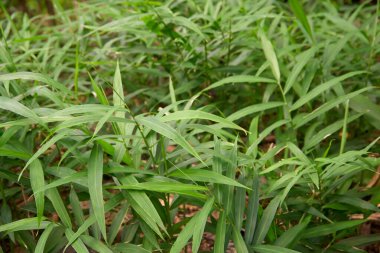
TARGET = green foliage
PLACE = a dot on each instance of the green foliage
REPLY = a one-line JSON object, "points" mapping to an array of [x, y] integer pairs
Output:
{"points": [[262, 116]]}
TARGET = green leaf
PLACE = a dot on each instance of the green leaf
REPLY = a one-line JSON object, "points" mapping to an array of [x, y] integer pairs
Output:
{"points": [[55, 198], [95, 244], [205, 176], [73, 237], [239, 79], [95, 186], [266, 221], [99, 91], [45, 147], [253, 109], [327, 131], [76, 207], [298, 153], [43, 91], [321, 88], [363, 104], [109, 149], [127, 248], [239, 204], [265, 133], [165, 187], [118, 169], [102, 121], [169, 132], [302, 120], [118, 97], [37, 182], [35, 77], [78, 245], [10, 151], [64, 173], [197, 114], [253, 209], [149, 235], [195, 228], [65, 180], [16, 107], [179, 20], [44, 237], [292, 234], [172, 94], [201, 220], [220, 235], [83, 109], [296, 7], [330, 228], [361, 240], [230, 171], [272, 249], [291, 183], [302, 60], [116, 223], [143, 206], [344, 129], [8, 134], [239, 243], [357, 202], [271, 57], [24, 224]]}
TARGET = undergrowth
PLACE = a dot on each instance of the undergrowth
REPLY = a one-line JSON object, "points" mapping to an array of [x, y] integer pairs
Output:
{"points": [[116, 117]]}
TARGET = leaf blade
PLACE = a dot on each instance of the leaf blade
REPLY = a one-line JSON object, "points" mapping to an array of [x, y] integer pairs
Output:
{"points": [[37, 181], [95, 186]]}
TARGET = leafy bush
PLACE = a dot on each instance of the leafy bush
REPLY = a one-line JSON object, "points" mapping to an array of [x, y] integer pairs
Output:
{"points": [[116, 118]]}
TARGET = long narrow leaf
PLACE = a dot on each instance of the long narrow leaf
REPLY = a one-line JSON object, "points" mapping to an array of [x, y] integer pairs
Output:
{"points": [[321, 88], [169, 132], [95, 186], [266, 221], [205, 176], [37, 182]]}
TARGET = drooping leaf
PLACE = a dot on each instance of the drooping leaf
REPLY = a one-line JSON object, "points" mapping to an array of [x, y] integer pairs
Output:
{"points": [[128, 247], [24, 224], [165, 187], [270, 55], [205, 176], [239, 79], [95, 244], [330, 228], [272, 249], [321, 88], [35, 77], [16, 107], [45, 147], [197, 114], [169, 132]]}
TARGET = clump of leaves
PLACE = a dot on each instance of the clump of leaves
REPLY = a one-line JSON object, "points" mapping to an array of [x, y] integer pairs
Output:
{"points": [[261, 116]]}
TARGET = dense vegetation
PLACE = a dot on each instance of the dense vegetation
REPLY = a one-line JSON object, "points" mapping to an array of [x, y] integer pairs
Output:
{"points": [[136, 126]]}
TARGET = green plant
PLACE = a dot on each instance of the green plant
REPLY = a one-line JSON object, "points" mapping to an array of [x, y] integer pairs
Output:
{"points": [[263, 115]]}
